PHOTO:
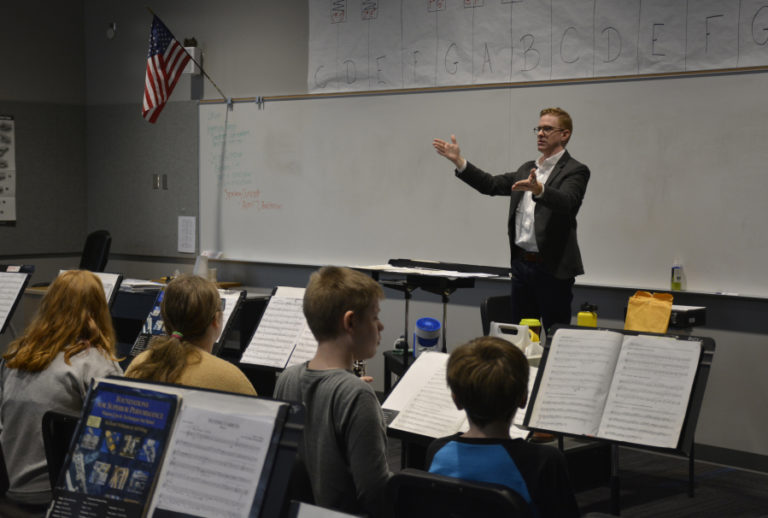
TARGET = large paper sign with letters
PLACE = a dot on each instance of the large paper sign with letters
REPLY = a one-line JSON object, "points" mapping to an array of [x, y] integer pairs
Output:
{"points": [[390, 44]]}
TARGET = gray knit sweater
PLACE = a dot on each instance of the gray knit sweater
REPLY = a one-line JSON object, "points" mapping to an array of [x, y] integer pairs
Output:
{"points": [[345, 443], [24, 398]]}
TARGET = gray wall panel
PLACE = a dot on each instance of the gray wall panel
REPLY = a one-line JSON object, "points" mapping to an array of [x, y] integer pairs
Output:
{"points": [[50, 179], [124, 151], [249, 47], [42, 47]]}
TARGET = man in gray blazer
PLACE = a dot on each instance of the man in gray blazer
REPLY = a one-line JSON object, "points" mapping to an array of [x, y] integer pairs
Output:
{"points": [[545, 196]]}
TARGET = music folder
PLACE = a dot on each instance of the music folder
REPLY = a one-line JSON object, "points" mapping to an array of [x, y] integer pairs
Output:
{"points": [[160, 450]]}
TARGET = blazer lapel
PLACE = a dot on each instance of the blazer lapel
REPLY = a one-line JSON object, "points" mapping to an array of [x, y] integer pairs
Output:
{"points": [[558, 169]]}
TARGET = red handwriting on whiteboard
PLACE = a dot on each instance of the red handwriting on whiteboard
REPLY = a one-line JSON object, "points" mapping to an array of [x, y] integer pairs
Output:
{"points": [[250, 199], [435, 5], [338, 11], [370, 9]]}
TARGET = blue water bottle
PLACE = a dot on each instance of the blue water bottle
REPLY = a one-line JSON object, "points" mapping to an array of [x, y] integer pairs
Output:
{"points": [[426, 336]]}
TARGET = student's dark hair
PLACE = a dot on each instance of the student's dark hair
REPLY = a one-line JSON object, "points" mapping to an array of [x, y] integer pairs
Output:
{"points": [[489, 378], [190, 304], [331, 292]]}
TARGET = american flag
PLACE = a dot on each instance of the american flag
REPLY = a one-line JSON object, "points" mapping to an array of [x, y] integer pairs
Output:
{"points": [[165, 63]]}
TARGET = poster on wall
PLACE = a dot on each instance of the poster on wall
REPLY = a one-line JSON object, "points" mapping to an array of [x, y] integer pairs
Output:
{"points": [[7, 170]]}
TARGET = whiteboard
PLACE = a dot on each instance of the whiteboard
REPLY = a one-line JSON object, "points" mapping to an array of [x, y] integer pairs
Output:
{"points": [[678, 173]]}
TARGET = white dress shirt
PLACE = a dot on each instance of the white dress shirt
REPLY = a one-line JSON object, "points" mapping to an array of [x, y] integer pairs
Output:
{"points": [[525, 234]]}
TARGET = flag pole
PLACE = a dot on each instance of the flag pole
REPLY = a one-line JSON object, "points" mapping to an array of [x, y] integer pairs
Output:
{"points": [[202, 70]]}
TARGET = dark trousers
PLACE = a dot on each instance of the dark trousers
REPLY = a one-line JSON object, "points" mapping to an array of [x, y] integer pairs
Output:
{"points": [[536, 293]]}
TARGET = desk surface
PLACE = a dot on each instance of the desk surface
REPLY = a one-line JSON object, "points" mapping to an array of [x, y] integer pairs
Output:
{"points": [[37, 291]]}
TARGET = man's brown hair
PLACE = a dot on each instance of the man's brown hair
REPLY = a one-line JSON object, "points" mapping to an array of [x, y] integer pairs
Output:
{"points": [[565, 119]]}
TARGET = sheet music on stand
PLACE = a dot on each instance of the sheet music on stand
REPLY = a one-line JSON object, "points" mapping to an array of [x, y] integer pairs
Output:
{"points": [[13, 281], [154, 449], [421, 402], [111, 283], [232, 300], [283, 337], [621, 386], [153, 326]]}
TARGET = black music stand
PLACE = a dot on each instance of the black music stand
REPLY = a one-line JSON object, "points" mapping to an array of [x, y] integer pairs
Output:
{"points": [[407, 290], [24, 273], [685, 444]]}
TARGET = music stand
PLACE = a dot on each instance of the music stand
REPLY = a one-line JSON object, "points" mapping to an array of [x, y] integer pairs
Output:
{"points": [[685, 443], [14, 280]]}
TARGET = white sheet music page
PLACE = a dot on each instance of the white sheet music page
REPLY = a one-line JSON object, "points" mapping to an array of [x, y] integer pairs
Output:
{"points": [[430, 410], [305, 349], [421, 369], [279, 330], [10, 288], [108, 281], [215, 459], [575, 382], [230, 298], [650, 390], [516, 429]]}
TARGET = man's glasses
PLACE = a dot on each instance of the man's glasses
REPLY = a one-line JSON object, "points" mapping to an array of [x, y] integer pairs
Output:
{"points": [[545, 129]]}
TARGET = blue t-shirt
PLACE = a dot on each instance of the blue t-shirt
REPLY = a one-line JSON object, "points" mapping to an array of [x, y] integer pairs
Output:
{"points": [[480, 463], [536, 472]]}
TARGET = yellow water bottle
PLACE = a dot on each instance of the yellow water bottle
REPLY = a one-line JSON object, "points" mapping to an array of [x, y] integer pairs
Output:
{"points": [[587, 317]]}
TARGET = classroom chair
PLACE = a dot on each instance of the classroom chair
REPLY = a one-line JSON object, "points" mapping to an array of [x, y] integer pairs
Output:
{"points": [[95, 254], [3, 475], [299, 485], [413, 493], [58, 429], [96, 251], [496, 309]]}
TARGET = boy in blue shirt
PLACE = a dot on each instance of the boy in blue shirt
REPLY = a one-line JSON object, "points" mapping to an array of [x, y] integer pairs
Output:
{"points": [[488, 378]]}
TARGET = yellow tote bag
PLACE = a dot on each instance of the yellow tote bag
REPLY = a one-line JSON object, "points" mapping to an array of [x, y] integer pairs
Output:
{"points": [[648, 312]]}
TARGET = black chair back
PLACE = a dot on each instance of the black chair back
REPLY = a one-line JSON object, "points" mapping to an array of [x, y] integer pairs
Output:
{"points": [[4, 483], [58, 430], [96, 251], [496, 309], [413, 493]]}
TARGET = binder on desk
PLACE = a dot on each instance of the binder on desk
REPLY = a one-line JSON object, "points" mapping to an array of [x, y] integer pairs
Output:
{"points": [[621, 386], [159, 450], [13, 281]]}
